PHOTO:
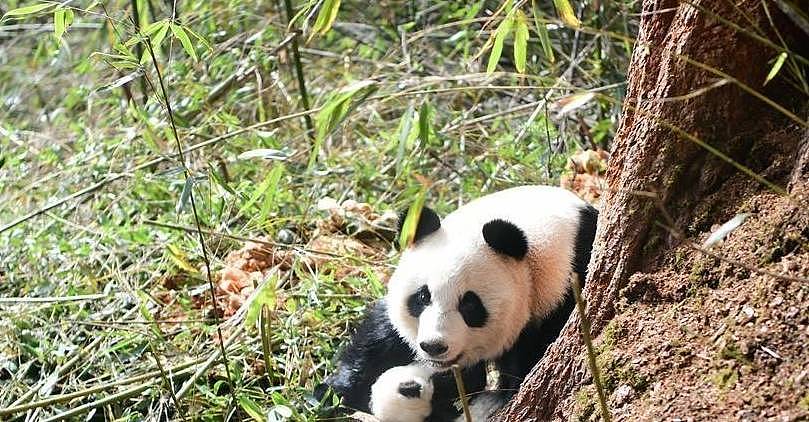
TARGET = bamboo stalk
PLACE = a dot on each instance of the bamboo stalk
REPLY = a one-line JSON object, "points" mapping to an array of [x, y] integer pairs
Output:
{"points": [[296, 58]]}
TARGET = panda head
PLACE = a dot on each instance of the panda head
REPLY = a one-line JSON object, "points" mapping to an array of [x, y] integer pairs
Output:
{"points": [[461, 292]]}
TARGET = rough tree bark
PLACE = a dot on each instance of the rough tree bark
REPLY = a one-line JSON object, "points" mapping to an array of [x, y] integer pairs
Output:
{"points": [[648, 156]]}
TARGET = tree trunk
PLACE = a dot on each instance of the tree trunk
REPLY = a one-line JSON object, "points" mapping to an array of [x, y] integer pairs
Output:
{"points": [[665, 91]]}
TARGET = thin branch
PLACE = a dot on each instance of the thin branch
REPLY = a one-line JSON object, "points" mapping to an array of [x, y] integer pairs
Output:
{"points": [[205, 257], [584, 324], [296, 57], [51, 299], [113, 177], [173, 372]]}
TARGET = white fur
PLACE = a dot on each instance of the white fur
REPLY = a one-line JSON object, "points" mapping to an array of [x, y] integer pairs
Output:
{"points": [[388, 405], [456, 259]]}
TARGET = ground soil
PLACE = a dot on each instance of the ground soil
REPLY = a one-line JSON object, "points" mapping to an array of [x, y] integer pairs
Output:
{"points": [[699, 338]]}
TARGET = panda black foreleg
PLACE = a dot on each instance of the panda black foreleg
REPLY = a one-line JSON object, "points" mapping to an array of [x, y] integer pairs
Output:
{"points": [[445, 393], [374, 348]]}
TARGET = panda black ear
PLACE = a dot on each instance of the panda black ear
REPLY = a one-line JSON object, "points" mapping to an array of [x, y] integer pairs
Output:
{"points": [[505, 238], [428, 223]]}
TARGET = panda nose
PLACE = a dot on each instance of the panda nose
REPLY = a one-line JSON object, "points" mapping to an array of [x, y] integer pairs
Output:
{"points": [[433, 348]]}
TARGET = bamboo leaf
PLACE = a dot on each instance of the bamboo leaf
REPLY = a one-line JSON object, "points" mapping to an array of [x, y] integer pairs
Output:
{"points": [[265, 153], [180, 259], [776, 67], [424, 123], [268, 180], [272, 189], [405, 129], [156, 33], [520, 40], [325, 17], [178, 32], [335, 110], [59, 23], [185, 195], [251, 408], [264, 297], [566, 13], [411, 222], [542, 32], [500, 37], [28, 10], [573, 102], [199, 38]]}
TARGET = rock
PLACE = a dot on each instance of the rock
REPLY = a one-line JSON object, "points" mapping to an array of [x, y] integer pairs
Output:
{"points": [[623, 394], [285, 236]]}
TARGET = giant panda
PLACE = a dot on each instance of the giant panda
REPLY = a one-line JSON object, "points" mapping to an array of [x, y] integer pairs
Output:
{"points": [[490, 283]]}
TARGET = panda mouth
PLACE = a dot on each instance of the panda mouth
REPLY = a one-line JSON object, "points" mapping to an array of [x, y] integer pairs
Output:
{"points": [[445, 363]]}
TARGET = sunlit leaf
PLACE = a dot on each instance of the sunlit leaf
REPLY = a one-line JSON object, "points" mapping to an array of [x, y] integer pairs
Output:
{"points": [[199, 38], [265, 153], [265, 296], [520, 40], [573, 102], [251, 408], [180, 259], [178, 32], [59, 23], [257, 193], [279, 413], [499, 39], [725, 229], [28, 10], [566, 13], [152, 29], [143, 13], [326, 17], [776, 67], [411, 221], [123, 80], [160, 31]]}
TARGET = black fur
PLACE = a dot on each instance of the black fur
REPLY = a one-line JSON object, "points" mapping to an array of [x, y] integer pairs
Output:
{"points": [[588, 218], [472, 310], [445, 391], [418, 301], [505, 238], [410, 389], [376, 347], [535, 338], [429, 222]]}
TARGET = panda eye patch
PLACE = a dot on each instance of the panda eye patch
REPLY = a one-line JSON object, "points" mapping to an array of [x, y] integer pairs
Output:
{"points": [[472, 310], [418, 301]]}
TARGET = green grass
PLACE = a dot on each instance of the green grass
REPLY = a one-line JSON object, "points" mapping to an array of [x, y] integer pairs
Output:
{"points": [[66, 124]]}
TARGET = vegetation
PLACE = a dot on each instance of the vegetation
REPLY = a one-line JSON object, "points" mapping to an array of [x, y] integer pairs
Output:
{"points": [[106, 305], [194, 194]]}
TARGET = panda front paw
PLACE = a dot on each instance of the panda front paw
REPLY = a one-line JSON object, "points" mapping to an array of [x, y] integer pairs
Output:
{"points": [[403, 394]]}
